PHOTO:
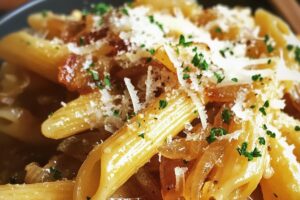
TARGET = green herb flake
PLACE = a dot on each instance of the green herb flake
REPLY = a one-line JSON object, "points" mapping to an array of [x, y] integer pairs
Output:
{"points": [[163, 104], [226, 115], [250, 155], [219, 77], [297, 54], [94, 74], [265, 127], [142, 135], [187, 69], [267, 104], [234, 80], [218, 30], [153, 21], [44, 13], [142, 45], [55, 173], [269, 61], [151, 51], [100, 8], [297, 128], [214, 133], [257, 77], [107, 81], [261, 140], [271, 134], [263, 110], [289, 47], [81, 41], [184, 43], [125, 11], [185, 76], [116, 113]]}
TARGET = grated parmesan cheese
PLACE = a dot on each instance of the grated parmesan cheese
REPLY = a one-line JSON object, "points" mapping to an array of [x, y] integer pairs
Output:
{"points": [[133, 95]]}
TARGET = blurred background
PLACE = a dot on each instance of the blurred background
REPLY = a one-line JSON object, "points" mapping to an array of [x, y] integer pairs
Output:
{"points": [[288, 9]]}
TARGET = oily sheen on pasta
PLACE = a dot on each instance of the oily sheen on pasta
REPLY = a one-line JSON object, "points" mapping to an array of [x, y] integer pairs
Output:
{"points": [[151, 100]]}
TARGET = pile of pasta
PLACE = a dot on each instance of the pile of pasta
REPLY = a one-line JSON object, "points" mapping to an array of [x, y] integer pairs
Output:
{"points": [[153, 100]]}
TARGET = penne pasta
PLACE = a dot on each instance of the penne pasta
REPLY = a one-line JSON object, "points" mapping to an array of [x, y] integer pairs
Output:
{"points": [[79, 115], [37, 55], [132, 146], [60, 190]]}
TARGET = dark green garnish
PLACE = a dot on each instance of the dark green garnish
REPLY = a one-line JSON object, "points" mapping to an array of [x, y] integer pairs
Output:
{"points": [[267, 104], [289, 47], [269, 61], [219, 77], [125, 11], [250, 155], [149, 59], [81, 41], [143, 45], [297, 128], [163, 104], [185, 76], [214, 133], [153, 21], [257, 77], [94, 74], [44, 13], [151, 51], [218, 30], [271, 134], [270, 48], [100, 8], [116, 113], [226, 115], [265, 127], [261, 141], [183, 42], [199, 61], [297, 54], [142, 135], [55, 173], [235, 80], [186, 69], [107, 81], [263, 110]]}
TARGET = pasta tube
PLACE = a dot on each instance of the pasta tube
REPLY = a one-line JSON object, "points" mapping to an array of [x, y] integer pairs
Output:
{"points": [[79, 115], [285, 182], [132, 146], [35, 54], [60, 190]]}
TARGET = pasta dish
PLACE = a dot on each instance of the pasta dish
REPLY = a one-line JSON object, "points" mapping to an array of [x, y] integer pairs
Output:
{"points": [[151, 100]]}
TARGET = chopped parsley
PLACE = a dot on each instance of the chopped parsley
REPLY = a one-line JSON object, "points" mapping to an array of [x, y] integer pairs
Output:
{"points": [[44, 13], [297, 54], [267, 104], [234, 80], [265, 127], [184, 43], [263, 110], [269, 61], [219, 77], [271, 134], [81, 41], [55, 173], [222, 52], [100, 8], [94, 74], [149, 59], [142, 135], [218, 30], [226, 115], [185, 76], [116, 113], [163, 104], [107, 81], [250, 155], [125, 11], [257, 77], [261, 140], [187, 69], [214, 133], [289, 47], [151, 51], [297, 128], [142, 45], [269, 46], [153, 21], [199, 61]]}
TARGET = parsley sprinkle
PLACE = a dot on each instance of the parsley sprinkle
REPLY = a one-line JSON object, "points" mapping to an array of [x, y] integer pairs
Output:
{"points": [[100, 8], [214, 132], [186, 76], [222, 52], [107, 81], [199, 62], [270, 48], [226, 115], [183, 42], [151, 51], [219, 77], [250, 155], [263, 111], [269, 61], [153, 21], [235, 80], [267, 104], [218, 30], [44, 13], [55, 173], [261, 141], [297, 128], [143, 45], [151, 18], [142, 135], [289, 47], [116, 113], [81, 41], [186, 69], [297, 54], [125, 11], [163, 104], [149, 59], [265, 127], [271, 134], [257, 77], [94, 74]]}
